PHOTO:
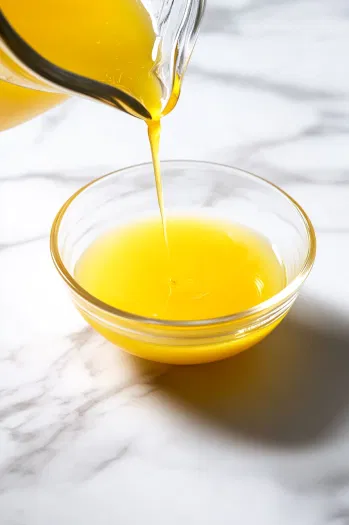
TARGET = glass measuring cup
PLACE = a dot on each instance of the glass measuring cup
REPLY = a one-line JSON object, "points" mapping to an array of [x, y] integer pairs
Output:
{"points": [[175, 24]]}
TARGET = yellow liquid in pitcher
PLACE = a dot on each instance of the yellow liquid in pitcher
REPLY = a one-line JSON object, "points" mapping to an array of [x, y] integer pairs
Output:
{"points": [[215, 269], [113, 41], [18, 104]]}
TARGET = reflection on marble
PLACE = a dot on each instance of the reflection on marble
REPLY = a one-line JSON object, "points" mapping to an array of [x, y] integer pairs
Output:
{"points": [[89, 434]]}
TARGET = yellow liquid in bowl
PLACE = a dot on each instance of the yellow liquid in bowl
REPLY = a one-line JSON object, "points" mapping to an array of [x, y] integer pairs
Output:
{"points": [[212, 269]]}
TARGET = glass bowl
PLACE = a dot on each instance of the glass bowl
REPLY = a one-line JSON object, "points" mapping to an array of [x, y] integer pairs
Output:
{"points": [[200, 188]]}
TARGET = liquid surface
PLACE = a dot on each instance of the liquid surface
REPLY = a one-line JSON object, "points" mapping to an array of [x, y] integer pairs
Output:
{"points": [[217, 269], [113, 43]]}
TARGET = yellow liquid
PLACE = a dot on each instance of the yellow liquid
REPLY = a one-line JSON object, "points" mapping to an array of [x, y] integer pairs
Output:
{"points": [[112, 41], [18, 104], [154, 132], [217, 269]]}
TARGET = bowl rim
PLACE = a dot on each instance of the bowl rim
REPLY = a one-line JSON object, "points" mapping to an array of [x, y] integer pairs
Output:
{"points": [[272, 303]]}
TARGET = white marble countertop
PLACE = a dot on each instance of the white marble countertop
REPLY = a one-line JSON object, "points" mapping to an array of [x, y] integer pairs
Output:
{"points": [[91, 435]]}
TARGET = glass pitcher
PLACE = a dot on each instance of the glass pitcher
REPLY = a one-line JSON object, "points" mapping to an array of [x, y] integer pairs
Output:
{"points": [[124, 53]]}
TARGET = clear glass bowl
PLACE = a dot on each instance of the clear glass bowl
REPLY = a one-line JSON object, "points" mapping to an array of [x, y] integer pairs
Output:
{"points": [[199, 188]]}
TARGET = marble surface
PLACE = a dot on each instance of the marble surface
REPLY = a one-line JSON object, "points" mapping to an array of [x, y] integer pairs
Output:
{"points": [[91, 435]]}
